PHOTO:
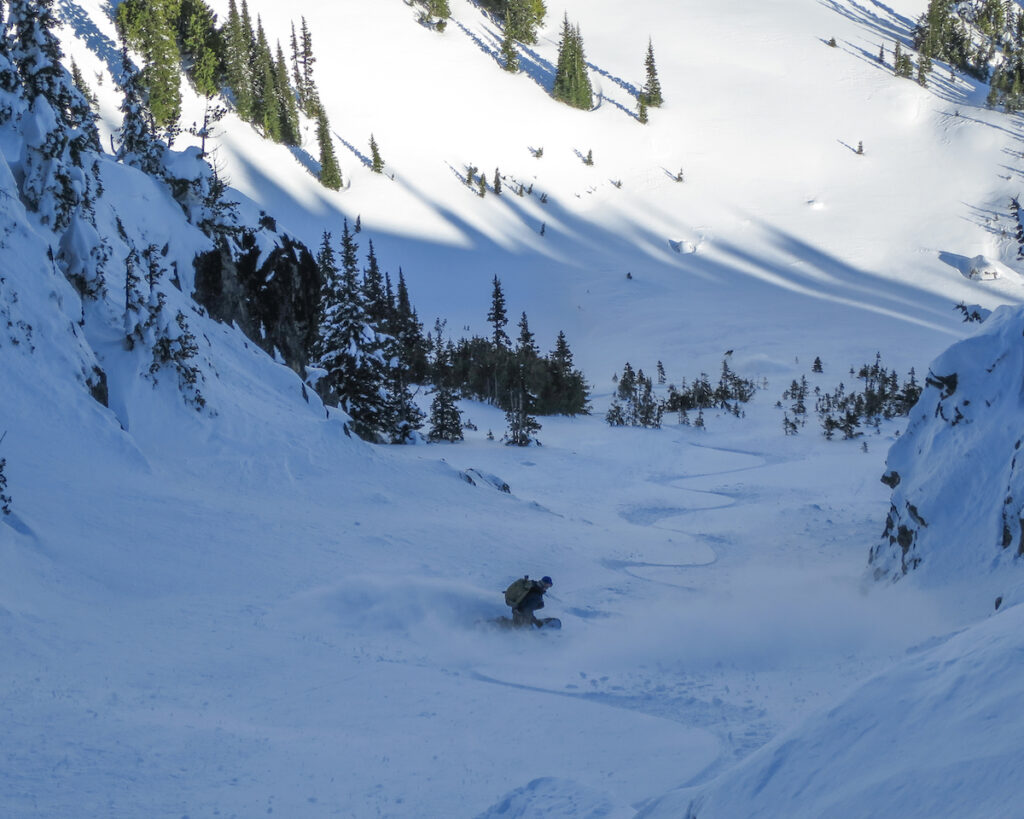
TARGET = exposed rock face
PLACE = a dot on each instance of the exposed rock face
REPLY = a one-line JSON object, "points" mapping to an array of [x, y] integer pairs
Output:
{"points": [[957, 473], [268, 283]]}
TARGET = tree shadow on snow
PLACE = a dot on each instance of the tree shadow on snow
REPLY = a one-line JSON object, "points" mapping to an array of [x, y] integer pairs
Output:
{"points": [[891, 27], [363, 158], [73, 15], [305, 159], [884, 21]]}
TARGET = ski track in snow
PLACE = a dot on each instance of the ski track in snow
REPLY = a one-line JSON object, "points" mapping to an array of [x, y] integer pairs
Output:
{"points": [[250, 613]]}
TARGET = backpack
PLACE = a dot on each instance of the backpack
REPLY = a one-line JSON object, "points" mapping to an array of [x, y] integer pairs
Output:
{"points": [[516, 593]]}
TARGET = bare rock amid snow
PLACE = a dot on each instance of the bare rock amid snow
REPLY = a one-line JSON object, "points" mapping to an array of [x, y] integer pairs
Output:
{"points": [[268, 283]]}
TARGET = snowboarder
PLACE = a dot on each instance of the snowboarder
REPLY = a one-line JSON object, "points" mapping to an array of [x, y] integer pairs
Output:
{"points": [[526, 596]]}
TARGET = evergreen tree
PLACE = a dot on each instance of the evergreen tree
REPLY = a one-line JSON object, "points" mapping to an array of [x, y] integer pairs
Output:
{"points": [[78, 80], [237, 71], [202, 43], [266, 110], [572, 83], [59, 175], [509, 55], [439, 9], [347, 348], [134, 302], [1018, 232], [445, 418], [151, 26], [651, 93], [566, 390], [408, 331], [309, 99], [11, 99], [5, 499], [497, 317], [522, 395], [287, 110], [522, 18], [641, 110], [330, 173], [522, 426], [378, 310], [138, 143], [376, 163], [296, 66]]}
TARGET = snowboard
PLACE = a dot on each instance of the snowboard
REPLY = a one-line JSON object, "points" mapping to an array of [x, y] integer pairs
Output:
{"points": [[545, 623]]}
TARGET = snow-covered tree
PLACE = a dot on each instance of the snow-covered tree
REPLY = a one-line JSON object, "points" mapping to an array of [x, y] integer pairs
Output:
{"points": [[445, 418], [139, 145], [59, 164], [347, 347]]}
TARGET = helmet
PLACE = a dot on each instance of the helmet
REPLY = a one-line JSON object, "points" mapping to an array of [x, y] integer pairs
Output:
{"points": [[547, 580]]}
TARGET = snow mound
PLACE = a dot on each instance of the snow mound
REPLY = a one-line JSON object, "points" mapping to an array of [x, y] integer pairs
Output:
{"points": [[981, 268], [473, 476], [552, 797], [939, 734]]}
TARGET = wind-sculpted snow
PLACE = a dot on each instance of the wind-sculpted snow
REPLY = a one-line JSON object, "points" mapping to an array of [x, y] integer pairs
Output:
{"points": [[939, 734], [958, 471]]}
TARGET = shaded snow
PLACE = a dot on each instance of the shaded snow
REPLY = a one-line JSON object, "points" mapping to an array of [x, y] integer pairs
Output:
{"points": [[244, 611]]}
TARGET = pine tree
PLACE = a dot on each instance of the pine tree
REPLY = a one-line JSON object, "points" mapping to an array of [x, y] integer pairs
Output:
{"points": [[439, 9], [5, 499], [376, 163], [201, 43], [237, 70], [151, 26], [445, 418], [330, 173], [138, 144], [651, 93], [567, 392], [287, 110], [523, 18], [572, 84], [79, 81], [377, 308], [309, 99], [266, 111], [1018, 232], [498, 317], [509, 55], [497, 182], [641, 110], [408, 331], [59, 175], [347, 347], [296, 66]]}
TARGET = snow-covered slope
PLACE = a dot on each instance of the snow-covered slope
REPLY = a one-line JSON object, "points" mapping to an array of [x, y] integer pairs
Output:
{"points": [[241, 610], [956, 505], [929, 737]]}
